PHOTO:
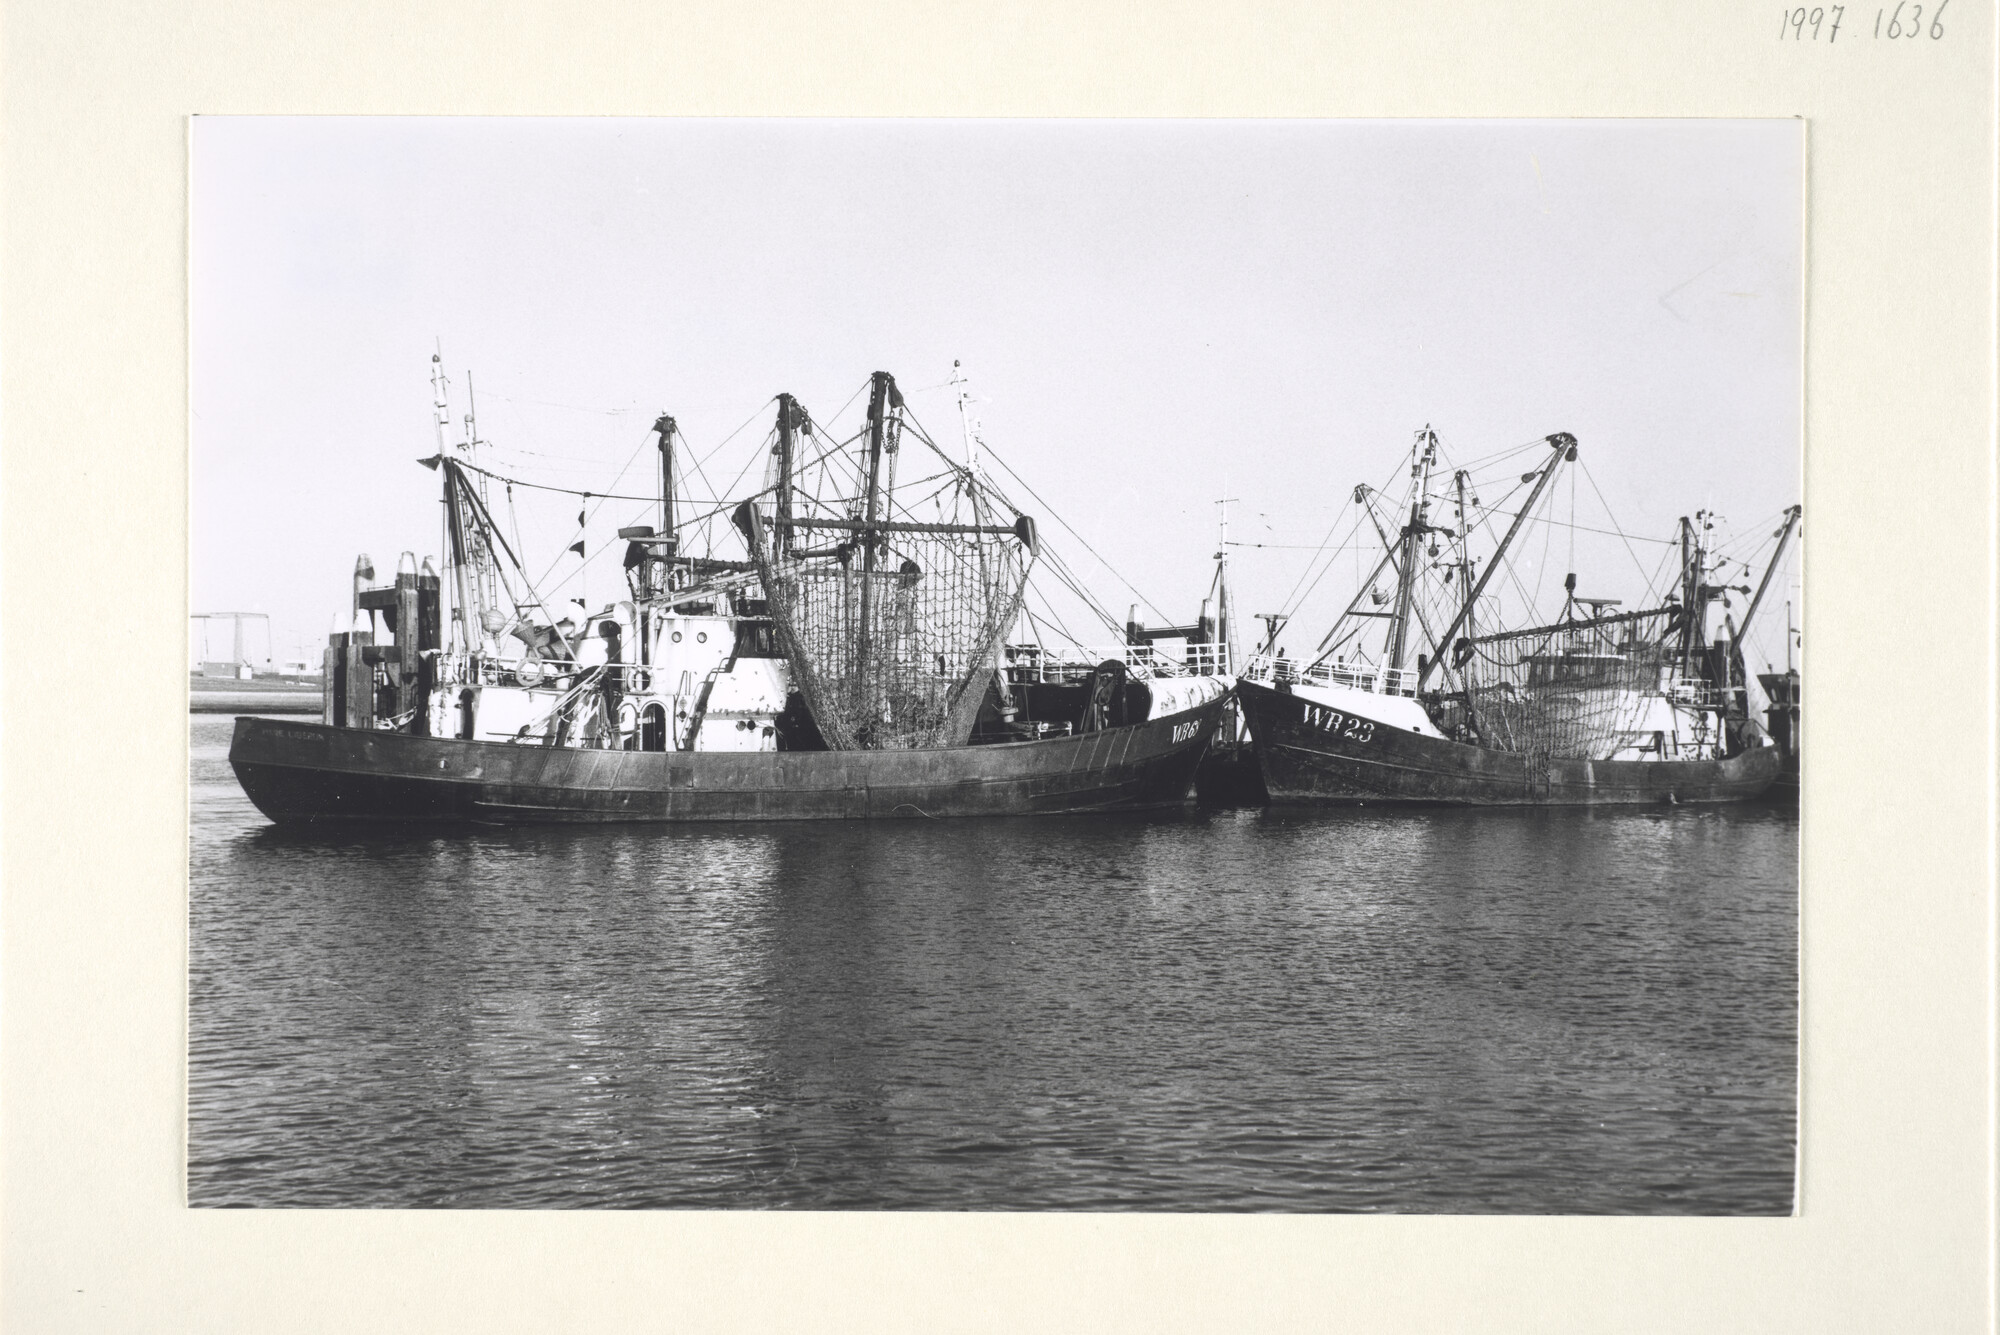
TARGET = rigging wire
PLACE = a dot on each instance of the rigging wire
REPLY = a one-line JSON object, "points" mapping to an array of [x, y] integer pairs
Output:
{"points": [[1591, 478], [827, 447], [1295, 598], [1065, 574], [543, 486], [514, 517], [1572, 520], [1506, 453], [1049, 617], [955, 472], [690, 524], [1605, 532], [1051, 512]]}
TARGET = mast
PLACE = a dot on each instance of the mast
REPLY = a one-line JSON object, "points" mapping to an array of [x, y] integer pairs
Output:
{"points": [[1564, 447], [464, 551], [1225, 614], [881, 386], [455, 508], [455, 554], [487, 570], [1464, 552], [1690, 594], [438, 383], [665, 426], [1699, 593], [1784, 537], [1424, 455], [790, 417], [476, 575], [473, 535], [968, 427], [882, 393]]}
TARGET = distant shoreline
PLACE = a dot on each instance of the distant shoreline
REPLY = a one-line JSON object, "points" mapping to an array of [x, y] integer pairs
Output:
{"points": [[268, 695]]}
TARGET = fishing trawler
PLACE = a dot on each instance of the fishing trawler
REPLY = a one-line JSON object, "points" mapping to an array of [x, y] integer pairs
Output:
{"points": [[1592, 706], [856, 665]]}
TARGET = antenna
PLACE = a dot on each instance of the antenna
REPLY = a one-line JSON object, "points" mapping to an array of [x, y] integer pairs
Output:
{"points": [[471, 559], [1423, 455], [472, 441], [1225, 613], [967, 423], [440, 387]]}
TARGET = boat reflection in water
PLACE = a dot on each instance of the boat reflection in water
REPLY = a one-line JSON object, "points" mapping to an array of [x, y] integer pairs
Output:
{"points": [[1291, 1010]]}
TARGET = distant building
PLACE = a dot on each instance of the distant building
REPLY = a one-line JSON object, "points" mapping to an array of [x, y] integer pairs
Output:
{"points": [[229, 644]]}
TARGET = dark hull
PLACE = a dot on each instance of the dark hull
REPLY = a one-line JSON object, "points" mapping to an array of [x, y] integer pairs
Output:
{"points": [[1304, 761], [1228, 777], [305, 772], [1784, 790]]}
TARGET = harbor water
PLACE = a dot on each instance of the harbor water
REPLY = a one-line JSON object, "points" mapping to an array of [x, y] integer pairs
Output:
{"points": [[1566, 1011]]}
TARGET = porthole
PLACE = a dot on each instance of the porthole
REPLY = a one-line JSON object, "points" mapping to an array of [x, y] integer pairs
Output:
{"points": [[677, 637], [701, 637]]}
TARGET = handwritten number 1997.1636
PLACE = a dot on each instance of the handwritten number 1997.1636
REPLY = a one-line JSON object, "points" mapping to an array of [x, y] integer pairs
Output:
{"points": [[1906, 20]]}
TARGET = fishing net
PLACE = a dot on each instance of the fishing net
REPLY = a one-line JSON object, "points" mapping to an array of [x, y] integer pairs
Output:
{"points": [[1580, 692], [898, 657], [891, 608]]}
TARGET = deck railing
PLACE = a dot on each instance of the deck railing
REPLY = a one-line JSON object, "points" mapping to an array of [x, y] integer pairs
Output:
{"points": [[1270, 670], [1695, 692], [1027, 662], [543, 673]]}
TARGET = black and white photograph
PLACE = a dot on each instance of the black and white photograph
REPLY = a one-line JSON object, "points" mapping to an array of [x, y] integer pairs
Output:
{"points": [[1164, 666]]}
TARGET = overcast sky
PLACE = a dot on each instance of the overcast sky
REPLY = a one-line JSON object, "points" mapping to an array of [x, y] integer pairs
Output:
{"points": [[1156, 315]]}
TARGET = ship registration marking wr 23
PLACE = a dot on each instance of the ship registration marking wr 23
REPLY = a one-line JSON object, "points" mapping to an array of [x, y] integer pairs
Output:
{"points": [[1332, 721]]}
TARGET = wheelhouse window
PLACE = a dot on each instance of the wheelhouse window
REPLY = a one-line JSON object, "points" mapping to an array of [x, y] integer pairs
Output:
{"points": [[756, 639]]}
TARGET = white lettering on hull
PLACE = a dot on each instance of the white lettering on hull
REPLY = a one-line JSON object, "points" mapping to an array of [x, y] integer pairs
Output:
{"points": [[1345, 727]]}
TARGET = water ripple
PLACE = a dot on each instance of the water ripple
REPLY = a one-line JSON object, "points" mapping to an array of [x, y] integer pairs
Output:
{"points": [[1579, 1012]]}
